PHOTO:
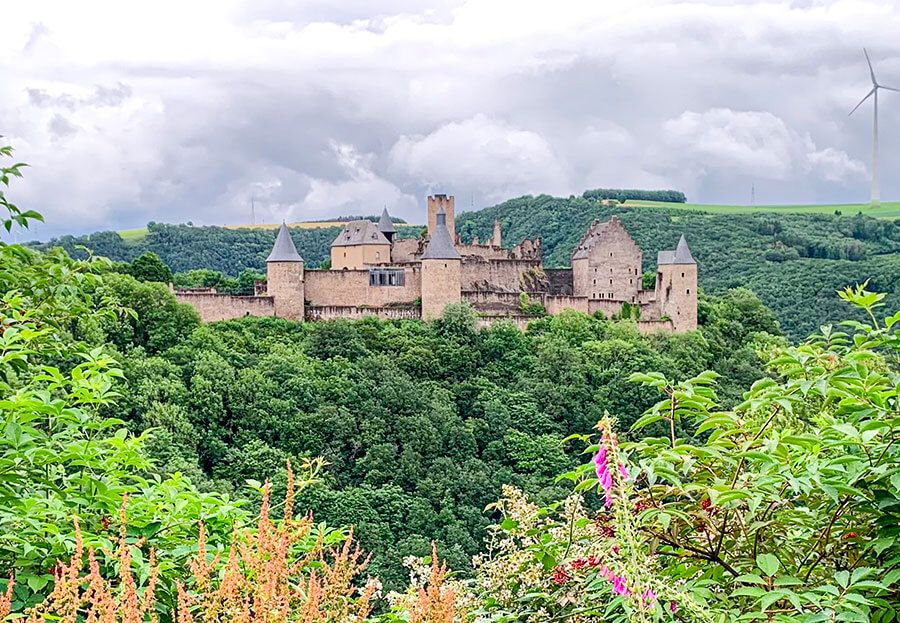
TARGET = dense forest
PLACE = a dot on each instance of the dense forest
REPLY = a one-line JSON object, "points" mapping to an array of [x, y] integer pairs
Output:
{"points": [[575, 471], [795, 263], [420, 424]]}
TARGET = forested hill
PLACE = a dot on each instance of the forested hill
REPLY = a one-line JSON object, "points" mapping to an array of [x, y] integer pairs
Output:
{"points": [[187, 247], [794, 262]]}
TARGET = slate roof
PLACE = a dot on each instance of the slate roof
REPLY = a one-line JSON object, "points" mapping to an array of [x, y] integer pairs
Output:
{"points": [[441, 247], [359, 232], [681, 254], [385, 224], [284, 249]]}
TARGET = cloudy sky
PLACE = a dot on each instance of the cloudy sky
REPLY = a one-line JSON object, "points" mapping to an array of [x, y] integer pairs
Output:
{"points": [[184, 110]]}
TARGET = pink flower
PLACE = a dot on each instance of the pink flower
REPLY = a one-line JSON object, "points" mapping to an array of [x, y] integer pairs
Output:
{"points": [[673, 607], [649, 596], [606, 461], [619, 585]]}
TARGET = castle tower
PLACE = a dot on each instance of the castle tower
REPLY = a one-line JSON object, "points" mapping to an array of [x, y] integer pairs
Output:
{"points": [[437, 203], [441, 267], [386, 226], [284, 274], [497, 240], [676, 287]]}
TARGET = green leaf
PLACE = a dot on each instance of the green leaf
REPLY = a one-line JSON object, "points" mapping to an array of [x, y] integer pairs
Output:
{"points": [[768, 564]]}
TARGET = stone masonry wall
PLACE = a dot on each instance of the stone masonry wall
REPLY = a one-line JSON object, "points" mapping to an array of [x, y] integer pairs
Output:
{"points": [[560, 281], [440, 286], [613, 266], [501, 275], [214, 307], [385, 313], [350, 288], [676, 295]]}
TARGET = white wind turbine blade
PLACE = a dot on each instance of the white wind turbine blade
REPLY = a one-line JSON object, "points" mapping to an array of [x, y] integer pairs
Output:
{"points": [[871, 71], [889, 88], [868, 95]]}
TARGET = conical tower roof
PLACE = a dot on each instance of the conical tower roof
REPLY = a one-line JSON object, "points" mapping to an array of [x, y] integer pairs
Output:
{"points": [[683, 253], [284, 249], [385, 224], [441, 247]]}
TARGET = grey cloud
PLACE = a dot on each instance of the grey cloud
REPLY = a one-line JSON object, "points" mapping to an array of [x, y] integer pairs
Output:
{"points": [[315, 108], [60, 127]]}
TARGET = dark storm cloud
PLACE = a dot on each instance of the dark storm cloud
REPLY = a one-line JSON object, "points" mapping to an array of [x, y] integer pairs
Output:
{"points": [[312, 108]]}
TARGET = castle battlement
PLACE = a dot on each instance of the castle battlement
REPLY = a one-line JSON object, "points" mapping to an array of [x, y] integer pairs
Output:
{"points": [[374, 273]]}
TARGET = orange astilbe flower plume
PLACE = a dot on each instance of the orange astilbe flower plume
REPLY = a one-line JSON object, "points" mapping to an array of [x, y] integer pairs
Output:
{"points": [[6, 598], [271, 576], [91, 597], [436, 601], [280, 571]]}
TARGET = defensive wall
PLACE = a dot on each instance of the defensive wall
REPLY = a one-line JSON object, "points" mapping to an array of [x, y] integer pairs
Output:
{"points": [[351, 288], [213, 306]]}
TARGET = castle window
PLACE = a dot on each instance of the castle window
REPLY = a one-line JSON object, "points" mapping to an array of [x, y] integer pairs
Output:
{"points": [[682, 275], [387, 277], [377, 255], [631, 282], [688, 290], [610, 282], [595, 282]]}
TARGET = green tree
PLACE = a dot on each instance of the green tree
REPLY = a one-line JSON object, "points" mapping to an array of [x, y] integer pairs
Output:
{"points": [[148, 267]]}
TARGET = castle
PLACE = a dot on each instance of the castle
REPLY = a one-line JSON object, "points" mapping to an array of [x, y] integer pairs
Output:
{"points": [[375, 273]]}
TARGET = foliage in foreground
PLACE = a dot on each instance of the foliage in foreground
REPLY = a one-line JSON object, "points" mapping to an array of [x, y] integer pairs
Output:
{"points": [[784, 508]]}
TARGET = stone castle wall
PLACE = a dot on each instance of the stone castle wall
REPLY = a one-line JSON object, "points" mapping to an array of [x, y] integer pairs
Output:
{"points": [[555, 303], [559, 281], [501, 275], [487, 252], [214, 307], [385, 313], [406, 250], [350, 288]]}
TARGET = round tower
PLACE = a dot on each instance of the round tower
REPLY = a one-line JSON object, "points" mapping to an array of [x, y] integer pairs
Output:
{"points": [[441, 271], [284, 275]]}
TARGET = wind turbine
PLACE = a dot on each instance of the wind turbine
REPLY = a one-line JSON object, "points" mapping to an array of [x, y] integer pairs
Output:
{"points": [[874, 92]]}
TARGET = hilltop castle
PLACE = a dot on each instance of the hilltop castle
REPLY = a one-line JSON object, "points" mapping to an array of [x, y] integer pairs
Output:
{"points": [[375, 273]]}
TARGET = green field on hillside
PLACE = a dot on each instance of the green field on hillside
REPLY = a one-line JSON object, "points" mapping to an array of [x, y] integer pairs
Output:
{"points": [[133, 236], [888, 209]]}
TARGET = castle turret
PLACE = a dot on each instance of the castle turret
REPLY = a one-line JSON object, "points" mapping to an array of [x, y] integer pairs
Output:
{"points": [[386, 226], [446, 203], [496, 240], [441, 268], [676, 287], [284, 275]]}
